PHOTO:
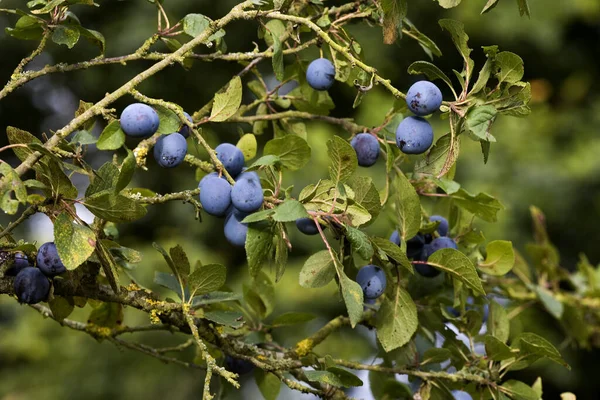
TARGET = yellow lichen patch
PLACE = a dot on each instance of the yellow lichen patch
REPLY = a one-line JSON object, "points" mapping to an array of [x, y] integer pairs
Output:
{"points": [[98, 331], [261, 357], [132, 287], [154, 319], [304, 347]]}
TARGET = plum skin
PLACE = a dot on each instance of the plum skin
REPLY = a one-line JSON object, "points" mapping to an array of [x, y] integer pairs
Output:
{"points": [[139, 120], [320, 74]]}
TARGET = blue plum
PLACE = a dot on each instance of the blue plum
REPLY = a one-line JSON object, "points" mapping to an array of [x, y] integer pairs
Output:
{"points": [[238, 365], [414, 135], [423, 98], [307, 226], [231, 157], [20, 262], [185, 130], [461, 395], [170, 150], [427, 270], [215, 195], [207, 178], [320, 74], [235, 231], [367, 149], [443, 227], [414, 245], [48, 260], [139, 120], [442, 242], [31, 286], [372, 280], [247, 194]]}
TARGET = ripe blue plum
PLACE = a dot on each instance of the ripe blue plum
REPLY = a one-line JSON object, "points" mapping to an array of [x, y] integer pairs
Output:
{"points": [[247, 194], [139, 120], [170, 150], [48, 260], [423, 98], [231, 157], [308, 226], [20, 262], [414, 135], [414, 245], [443, 227], [31, 286], [461, 395], [235, 231], [238, 365], [367, 149], [372, 280], [215, 195], [185, 130], [442, 242], [320, 74]]}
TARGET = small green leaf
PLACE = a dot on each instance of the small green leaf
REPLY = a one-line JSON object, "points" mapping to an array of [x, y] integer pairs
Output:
{"points": [[19, 136], [394, 11], [449, 3], [108, 315], [360, 242], [126, 172], [518, 390], [112, 137], [259, 244], [292, 151], [247, 144], [61, 307], [551, 303], [393, 253], [93, 37], [105, 179], [318, 270], [233, 319], [290, 210], [27, 28], [260, 295], [435, 355], [226, 104], [180, 261], [435, 161], [343, 159], [535, 347], [195, 24], [114, 207], [489, 5], [460, 39], [66, 34], [408, 207], [496, 350], [430, 70], [482, 205], [334, 376], [292, 318], [459, 266], [214, 297], [258, 216], [75, 243], [366, 194], [170, 282], [479, 120], [523, 8], [498, 323], [207, 278], [50, 5], [353, 297], [510, 67], [268, 384], [500, 258], [396, 319]]}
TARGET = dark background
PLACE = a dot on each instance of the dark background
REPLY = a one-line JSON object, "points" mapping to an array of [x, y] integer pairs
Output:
{"points": [[549, 159]]}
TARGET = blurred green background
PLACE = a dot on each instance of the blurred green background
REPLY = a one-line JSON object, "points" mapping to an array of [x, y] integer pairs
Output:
{"points": [[549, 159]]}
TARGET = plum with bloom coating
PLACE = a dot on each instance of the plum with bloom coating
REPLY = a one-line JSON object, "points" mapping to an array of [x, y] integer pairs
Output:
{"points": [[31, 286], [320, 74], [372, 280], [367, 149], [423, 98], [48, 260], [414, 135], [139, 120]]}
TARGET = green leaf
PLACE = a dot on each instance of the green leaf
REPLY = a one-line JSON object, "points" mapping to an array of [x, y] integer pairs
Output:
{"points": [[459, 266], [108, 315], [489, 5], [509, 67], [396, 319], [366, 194], [353, 297], [27, 28], [500, 258], [449, 3], [105, 179], [498, 323], [360, 242], [61, 307], [66, 34], [435, 161], [74, 243], [247, 144], [435, 355], [195, 24], [408, 207], [214, 297], [496, 350], [385, 387], [535, 347], [19, 136], [55, 179], [460, 39], [343, 159], [114, 207], [428, 45], [293, 151], [277, 59], [518, 390], [292, 318], [430, 70], [181, 269], [180, 262], [318, 270], [112, 137], [394, 12], [551, 303], [479, 120], [259, 244], [523, 8], [265, 161], [261, 295], [334, 376], [207, 278], [482, 205], [290, 210], [170, 282], [258, 216], [268, 384], [233, 319], [126, 172], [168, 121], [50, 5], [393, 253], [226, 104]]}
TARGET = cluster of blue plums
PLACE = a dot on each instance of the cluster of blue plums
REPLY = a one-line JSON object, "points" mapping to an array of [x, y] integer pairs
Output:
{"points": [[422, 246], [414, 135], [31, 284], [141, 121], [220, 199]]}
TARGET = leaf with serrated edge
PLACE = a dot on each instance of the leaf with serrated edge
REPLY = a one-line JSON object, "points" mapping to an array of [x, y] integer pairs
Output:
{"points": [[408, 207], [353, 297], [318, 270], [500, 258], [290, 210], [74, 243], [396, 320], [207, 278], [226, 104], [343, 159], [459, 266]]}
